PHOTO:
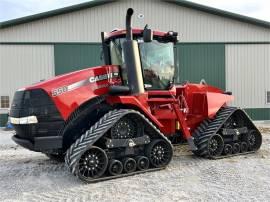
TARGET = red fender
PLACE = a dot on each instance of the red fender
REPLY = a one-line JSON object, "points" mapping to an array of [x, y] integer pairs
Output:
{"points": [[215, 101]]}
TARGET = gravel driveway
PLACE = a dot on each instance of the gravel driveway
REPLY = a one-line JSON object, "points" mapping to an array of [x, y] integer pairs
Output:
{"points": [[29, 176]]}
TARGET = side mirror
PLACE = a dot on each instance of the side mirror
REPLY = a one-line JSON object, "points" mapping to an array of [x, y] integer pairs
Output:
{"points": [[147, 34]]}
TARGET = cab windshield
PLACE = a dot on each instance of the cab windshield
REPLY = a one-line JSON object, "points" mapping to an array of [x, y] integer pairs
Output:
{"points": [[157, 61]]}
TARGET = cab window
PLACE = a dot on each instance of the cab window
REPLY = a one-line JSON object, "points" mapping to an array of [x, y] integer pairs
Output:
{"points": [[157, 60]]}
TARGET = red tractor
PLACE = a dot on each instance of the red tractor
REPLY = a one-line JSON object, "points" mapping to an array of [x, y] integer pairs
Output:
{"points": [[120, 119]]}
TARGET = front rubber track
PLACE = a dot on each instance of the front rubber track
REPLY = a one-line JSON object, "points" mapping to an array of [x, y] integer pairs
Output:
{"points": [[99, 129]]}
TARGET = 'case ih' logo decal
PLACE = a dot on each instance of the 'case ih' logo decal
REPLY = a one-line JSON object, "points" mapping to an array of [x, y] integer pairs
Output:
{"points": [[102, 77], [92, 79]]}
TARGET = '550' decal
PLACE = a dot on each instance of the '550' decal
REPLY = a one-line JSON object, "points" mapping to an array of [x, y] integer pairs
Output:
{"points": [[59, 91]]}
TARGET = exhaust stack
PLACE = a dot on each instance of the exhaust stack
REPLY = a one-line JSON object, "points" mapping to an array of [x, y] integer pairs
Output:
{"points": [[129, 35], [132, 58]]}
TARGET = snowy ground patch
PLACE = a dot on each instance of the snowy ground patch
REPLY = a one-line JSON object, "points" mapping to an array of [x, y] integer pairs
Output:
{"points": [[29, 176]]}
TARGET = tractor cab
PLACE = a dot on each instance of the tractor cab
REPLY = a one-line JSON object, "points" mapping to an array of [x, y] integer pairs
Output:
{"points": [[152, 53]]}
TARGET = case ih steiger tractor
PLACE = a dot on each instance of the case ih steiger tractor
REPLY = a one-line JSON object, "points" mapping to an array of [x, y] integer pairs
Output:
{"points": [[120, 119]]}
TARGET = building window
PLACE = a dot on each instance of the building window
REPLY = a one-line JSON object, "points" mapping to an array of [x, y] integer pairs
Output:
{"points": [[268, 97], [4, 101]]}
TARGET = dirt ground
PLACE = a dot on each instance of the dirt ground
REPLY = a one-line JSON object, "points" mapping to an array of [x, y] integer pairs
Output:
{"points": [[29, 176]]}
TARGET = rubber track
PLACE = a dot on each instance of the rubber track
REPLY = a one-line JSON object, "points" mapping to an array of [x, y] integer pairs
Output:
{"points": [[97, 131], [210, 127], [125, 175], [231, 155]]}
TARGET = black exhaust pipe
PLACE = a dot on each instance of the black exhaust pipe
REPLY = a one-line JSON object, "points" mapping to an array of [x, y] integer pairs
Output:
{"points": [[129, 35], [132, 59]]}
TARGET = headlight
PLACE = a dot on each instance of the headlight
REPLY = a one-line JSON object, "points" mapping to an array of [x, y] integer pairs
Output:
{"points": [[24, 120]]}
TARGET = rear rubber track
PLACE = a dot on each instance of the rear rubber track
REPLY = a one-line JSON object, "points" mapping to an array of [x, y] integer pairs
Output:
{"points": [[210, 127]]}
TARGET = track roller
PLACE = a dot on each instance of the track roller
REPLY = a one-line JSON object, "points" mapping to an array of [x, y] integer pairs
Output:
{"points": [[142, 162], [129, 165], [227, 149], [244, 147], [115, 167], [236, 148]]}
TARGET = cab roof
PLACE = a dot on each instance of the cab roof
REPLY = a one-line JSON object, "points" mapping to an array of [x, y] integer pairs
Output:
{"points": [[118, 33]]}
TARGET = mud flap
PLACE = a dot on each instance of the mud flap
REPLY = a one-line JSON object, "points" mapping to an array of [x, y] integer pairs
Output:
{"points": [[191, 144]]}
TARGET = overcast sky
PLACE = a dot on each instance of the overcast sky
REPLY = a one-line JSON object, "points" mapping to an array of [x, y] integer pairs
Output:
{"points": [[10, 9]]}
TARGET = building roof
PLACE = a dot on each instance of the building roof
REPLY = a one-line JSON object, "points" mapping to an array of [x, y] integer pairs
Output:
{"points": [[52, 13], [221, 13], [94, 3]]}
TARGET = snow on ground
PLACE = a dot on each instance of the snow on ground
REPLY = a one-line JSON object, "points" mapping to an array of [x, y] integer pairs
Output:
{"points": [[5, 138], [29, 176]]}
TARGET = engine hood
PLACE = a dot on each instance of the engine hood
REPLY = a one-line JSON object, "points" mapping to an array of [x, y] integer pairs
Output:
{"points": [[68, 91], [73, 77]]}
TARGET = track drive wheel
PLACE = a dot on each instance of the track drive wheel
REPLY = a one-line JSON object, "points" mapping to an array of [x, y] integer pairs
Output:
{"points": [[124, 128], [159, 153], [92, 164], [215, 145]]}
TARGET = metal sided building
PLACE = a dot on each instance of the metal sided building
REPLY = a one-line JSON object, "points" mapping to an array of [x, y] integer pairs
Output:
{"points": [[227, 50]]}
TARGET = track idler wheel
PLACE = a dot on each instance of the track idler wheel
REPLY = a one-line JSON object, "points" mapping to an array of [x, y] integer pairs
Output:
{"points": [[215, 145], [129, 165], [159, 153], [244, 147], [115, 167], [236, 148], [227, 149], [254, 140], [92, 164], [142, 162]]}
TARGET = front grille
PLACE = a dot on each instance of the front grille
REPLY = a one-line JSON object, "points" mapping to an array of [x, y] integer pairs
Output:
{"points": [[36, 103]]}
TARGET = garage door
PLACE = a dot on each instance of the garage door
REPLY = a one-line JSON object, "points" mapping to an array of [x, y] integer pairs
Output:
{"points": [[202, 61]]}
